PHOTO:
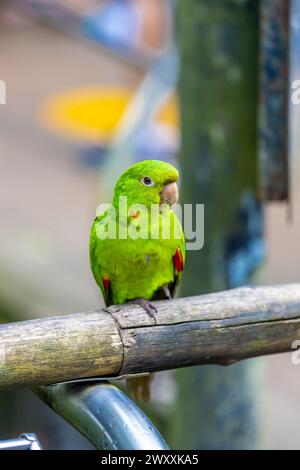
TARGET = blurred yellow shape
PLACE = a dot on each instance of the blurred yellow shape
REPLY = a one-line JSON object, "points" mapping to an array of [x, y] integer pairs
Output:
{"points": [[93, 114]]}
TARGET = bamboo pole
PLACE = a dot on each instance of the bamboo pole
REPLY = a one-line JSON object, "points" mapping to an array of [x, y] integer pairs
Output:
{"points": [[219, 328]]}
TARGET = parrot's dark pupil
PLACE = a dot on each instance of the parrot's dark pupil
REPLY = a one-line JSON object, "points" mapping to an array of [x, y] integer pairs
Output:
{"points": [[147, 180]]}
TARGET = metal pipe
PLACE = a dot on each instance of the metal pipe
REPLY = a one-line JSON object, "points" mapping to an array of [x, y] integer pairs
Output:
{"points": [[103, 414], [26, 441]]}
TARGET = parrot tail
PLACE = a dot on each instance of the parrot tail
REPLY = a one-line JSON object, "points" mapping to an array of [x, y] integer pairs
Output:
{"points": [[140, 387]]}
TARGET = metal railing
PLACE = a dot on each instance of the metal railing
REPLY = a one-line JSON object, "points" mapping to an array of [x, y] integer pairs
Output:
{"points": [[99, 411], [27, 441]]}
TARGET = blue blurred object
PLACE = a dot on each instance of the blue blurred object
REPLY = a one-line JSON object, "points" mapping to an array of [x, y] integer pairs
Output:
{"points": [[245, 248], [92, 156], [115, 25], [152, 142]]}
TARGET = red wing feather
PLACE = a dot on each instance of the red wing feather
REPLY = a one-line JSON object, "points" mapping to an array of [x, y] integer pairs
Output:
{"points": [[178, 261], [106, 283]]}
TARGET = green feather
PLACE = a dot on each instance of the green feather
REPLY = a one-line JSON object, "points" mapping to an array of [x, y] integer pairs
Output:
{"points": [[137, 267]]}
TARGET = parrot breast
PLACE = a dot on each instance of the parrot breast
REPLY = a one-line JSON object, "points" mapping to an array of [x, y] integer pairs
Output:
{"points": [[136, 268]]}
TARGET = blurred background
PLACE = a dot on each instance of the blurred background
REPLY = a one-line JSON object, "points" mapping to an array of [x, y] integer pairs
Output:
{"points": [[92, 87]]}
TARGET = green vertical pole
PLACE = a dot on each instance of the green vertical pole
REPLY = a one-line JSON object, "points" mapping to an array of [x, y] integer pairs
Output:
{"points": [[218, 87]]}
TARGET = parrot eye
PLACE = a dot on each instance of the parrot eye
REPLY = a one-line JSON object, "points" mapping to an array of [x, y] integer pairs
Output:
{"points": [[147, 181]]}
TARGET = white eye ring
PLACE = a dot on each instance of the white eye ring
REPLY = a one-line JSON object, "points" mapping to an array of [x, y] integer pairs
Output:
{"points": [[147, 181]]}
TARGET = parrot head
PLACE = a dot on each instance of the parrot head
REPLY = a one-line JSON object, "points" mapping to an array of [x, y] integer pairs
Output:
{"points": [[148, 182]]}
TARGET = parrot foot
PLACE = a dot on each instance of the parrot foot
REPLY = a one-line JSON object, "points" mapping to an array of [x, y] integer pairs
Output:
{"points": [[146, 305]]}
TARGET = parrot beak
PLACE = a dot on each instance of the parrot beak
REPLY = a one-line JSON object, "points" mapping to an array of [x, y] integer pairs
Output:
{"points": [[169, 194]]}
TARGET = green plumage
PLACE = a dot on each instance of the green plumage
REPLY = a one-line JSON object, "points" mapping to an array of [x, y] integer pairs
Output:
{"points": [[126, 268]]}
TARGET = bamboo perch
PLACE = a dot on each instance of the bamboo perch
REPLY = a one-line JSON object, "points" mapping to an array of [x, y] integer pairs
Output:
{"points": [[219, 328]]}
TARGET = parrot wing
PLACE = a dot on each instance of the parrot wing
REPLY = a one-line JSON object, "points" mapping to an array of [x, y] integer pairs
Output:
{"points": [[178, 263], [102, 281], [178, 258]]}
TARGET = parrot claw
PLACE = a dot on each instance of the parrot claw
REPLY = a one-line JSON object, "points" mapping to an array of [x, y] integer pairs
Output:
{"points": [[146, 305]]}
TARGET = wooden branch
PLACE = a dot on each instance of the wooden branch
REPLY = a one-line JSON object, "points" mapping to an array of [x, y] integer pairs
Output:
{"points": [[219, 328]]}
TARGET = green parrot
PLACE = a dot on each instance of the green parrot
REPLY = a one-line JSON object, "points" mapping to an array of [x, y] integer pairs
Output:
{"points": [[137, 245]]}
